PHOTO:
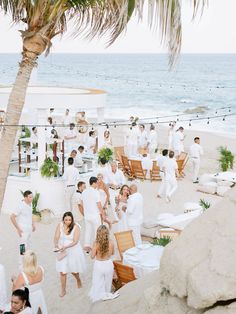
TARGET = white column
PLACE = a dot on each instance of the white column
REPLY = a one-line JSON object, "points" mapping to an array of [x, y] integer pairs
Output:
{"points": [[100, 118], [42, 114]]}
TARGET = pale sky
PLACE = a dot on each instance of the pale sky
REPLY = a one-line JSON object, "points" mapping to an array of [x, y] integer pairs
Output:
{"points": [[213, 33]]}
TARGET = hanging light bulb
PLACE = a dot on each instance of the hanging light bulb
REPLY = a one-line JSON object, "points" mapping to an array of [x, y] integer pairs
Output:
{"points": [[229, 110], [208, 121], [107, 126], [216, 112], [92, 127], [177, 118], [224, 118], [190, 123]]}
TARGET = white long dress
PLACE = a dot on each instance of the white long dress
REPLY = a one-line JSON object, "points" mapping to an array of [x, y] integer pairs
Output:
{"points": [[74, 261], [36, 296], [122, 224], [3, 288]]}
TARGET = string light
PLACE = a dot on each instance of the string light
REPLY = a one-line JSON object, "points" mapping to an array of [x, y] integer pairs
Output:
{"points": [[190, 124], [208, 121]]}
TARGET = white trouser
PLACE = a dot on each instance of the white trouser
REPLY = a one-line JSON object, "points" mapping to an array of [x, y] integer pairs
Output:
{"points": [[91, 226], [3, 288], [26, 240], [102, 279], [171, 185], [132, 149], [196, 167], [163, 184], [70, 190], [136, 234]]}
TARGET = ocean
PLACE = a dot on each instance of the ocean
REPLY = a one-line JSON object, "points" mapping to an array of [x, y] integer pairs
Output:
{"points": [[142, 84]]}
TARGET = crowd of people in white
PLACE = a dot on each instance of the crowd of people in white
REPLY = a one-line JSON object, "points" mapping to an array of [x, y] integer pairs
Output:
{"points": [[106, 205]]}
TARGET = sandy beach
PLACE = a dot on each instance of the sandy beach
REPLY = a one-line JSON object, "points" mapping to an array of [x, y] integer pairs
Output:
{"points": [[76, 300]]}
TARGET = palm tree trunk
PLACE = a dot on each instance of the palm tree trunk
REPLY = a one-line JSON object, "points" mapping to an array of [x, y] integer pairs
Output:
{"points": [[13, 114]]}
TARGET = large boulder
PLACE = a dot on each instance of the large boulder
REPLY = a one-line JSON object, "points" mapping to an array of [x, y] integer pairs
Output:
{"points": [[200, 264]]}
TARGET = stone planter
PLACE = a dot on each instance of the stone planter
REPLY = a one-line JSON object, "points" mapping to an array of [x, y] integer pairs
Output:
{"points": [[46, 217], [36, 218]]}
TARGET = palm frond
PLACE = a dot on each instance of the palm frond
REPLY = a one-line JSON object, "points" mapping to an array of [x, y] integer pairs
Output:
{"points": [[107, 18]]}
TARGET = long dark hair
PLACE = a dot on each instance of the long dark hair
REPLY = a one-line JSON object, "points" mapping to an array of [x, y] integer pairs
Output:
{"points": [[122, 188], [23, 295], [71, 226]]}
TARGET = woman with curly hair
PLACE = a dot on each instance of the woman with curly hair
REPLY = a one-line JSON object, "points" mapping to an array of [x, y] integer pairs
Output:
{"points": [[103, 269]]}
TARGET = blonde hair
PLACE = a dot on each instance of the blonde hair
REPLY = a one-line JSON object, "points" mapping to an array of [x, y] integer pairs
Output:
{"points": [[30, 264], [102, 240]]}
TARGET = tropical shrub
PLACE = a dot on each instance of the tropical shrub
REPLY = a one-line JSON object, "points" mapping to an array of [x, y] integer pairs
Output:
{"points": [[49, 168], [226, 159]]}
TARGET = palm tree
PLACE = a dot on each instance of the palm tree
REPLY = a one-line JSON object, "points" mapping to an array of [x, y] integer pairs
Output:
{"points": [[42, 20]]}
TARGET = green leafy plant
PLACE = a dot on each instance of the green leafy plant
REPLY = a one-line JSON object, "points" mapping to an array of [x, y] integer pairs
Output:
{"points": [[25, 133], [105, 153], [34, 203], [49, 168], [161, 241], [204, 204], [226, 159]]}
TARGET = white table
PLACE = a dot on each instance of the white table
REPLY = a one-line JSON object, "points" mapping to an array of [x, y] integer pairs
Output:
{"points": [[143, 260]]}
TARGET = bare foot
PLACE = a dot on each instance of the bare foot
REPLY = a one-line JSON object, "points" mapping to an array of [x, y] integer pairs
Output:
{"points": [[79, 284], [62, 294]]}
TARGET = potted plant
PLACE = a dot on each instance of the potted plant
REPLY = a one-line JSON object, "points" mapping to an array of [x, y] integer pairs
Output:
{"points": [[46, 217], [226, 159], [105, 153], [161, 241], [204, 204], [49, 168]]}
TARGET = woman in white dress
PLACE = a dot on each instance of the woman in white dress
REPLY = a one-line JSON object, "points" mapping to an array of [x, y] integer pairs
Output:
{"points": [[20, 303], [121, 201], [103, 268], [70, 257], [171, 132], [32, 278], [103, 191], [107, 139], [3, 288], [152, 140]]}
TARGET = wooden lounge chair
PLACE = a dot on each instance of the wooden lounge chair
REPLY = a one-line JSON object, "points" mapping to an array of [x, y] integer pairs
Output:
{"points": [[137, 169], [155, 172], [126, 167], [119, 151], [143, 151], [124, 241], [182, 161], [169, 232], [124, 273]]}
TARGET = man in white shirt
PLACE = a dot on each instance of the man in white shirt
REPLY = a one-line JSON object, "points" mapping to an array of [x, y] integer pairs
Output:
{"points": [[195, 153], [152, 140], [81, 186], [170, 169], [131, 140], [134, 213], [92, 143], [67, 119], [71, 176], [178, 142], [21, 218], [70, 137], [161, 159], [93, 213], [115, 180]]}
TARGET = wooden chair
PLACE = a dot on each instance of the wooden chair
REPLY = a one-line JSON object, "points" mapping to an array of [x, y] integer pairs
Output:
{"points": [[119, 151], [169, 232], [124, 273], [181, 163], [126, 167], [137, 169], [143, 151], [124, 241], [155, 172]]}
